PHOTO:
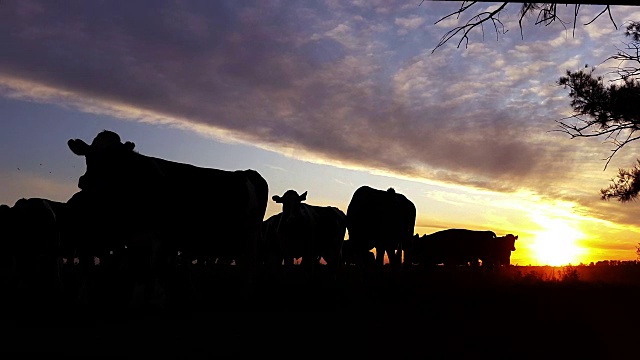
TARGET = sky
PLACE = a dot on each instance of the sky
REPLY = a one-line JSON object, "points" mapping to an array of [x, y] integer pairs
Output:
{"points": [[325, 97]]}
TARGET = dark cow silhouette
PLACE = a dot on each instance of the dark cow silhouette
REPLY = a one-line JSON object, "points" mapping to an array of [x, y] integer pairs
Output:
{"points": [[498, 251], [34, 229], [449, 247], [465, 247], [309, 231], [379, 219], [158, 207]]}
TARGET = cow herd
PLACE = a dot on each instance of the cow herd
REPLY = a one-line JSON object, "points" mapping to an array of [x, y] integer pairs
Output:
{"points": [[155, 213]]}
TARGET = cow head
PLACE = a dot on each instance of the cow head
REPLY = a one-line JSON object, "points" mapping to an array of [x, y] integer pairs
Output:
{"points": [[105, 158], [290, 201], [292, 212], [510, 241]]}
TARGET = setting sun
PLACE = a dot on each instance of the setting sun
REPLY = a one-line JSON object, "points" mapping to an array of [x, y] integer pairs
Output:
{"points": [[556, 244]]}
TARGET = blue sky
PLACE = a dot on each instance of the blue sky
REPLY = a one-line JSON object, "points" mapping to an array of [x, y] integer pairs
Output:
{"points": [[325, 97]]}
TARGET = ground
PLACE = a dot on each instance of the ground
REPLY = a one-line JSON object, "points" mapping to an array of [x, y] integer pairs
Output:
{"points": [[513, 313]]}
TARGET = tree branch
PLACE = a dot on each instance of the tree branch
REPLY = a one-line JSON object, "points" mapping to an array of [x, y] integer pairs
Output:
{"points": [[547, 14], [465, 29]]}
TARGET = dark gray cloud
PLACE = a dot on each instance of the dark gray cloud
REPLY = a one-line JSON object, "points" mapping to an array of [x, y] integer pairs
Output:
{"points": [[354, 83]]}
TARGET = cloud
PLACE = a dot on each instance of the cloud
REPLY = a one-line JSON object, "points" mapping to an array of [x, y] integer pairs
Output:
{"points": [[408, 24], [333, 81]]}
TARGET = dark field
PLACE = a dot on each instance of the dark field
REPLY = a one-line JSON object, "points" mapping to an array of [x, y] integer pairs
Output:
{"points": [[512, 313]]}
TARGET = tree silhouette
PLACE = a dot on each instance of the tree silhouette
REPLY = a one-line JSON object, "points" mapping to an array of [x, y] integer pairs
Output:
{"points": [[609, 110], [546, 15]]}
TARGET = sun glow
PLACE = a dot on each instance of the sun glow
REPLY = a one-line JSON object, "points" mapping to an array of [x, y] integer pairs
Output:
{"points": [[556, 244]]}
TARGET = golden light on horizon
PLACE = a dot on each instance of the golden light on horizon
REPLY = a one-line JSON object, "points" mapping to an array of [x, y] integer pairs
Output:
{"points": [[556, 244]]}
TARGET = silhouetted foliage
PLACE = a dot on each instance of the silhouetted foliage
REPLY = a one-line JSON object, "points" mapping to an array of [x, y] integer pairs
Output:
{"points": [[609, 110], [546, 15], [625, 186], [633, 31]]}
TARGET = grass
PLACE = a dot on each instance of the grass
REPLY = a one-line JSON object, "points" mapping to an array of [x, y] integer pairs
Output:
{"points": [[516, 312]]}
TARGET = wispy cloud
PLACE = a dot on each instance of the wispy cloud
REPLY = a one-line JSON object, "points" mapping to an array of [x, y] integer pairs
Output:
{"points": [[352, 83]]}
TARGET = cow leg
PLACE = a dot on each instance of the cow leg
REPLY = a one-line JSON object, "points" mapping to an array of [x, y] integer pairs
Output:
{"points": [[333, 260], [288, 260], [159, 273], [307, 264], [139, 249], [194, 272], [395, 258], [334, 266], [84, 270], [309, 259], [380, 257]]}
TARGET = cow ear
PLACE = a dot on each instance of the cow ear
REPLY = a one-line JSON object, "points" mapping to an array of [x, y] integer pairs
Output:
{"points": [[129, 146], [516, 237], [78, 147], [277, 199], [303, 196]]}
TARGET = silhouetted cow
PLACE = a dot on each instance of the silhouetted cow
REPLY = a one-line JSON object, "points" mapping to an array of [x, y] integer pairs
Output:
{"points": [[460, 247], [498, 251], [449, 247], [159, 207], [380, 219], [310, 231], [34, 240]]}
